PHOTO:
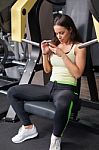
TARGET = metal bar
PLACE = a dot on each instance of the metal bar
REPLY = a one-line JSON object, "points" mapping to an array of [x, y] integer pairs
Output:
{"points": [[88, 43], [81, 46], [19, 62], [31, 42], [3, 92], [26, 78]]}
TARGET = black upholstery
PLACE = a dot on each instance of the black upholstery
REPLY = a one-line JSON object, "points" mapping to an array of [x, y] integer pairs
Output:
{"points": [[94, 8], [5, 15], [59, 2], [78, 10], [45, 109]]}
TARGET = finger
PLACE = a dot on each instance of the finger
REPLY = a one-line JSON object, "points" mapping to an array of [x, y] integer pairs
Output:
{"points": [[55, 50], [52, 45], [44, 41], [52, 49]]}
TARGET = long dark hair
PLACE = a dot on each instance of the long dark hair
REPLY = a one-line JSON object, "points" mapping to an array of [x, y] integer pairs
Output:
{"points": [[67, 22]]}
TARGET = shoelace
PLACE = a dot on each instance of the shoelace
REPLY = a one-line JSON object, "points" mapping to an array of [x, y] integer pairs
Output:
{"points": [[20, 129]]}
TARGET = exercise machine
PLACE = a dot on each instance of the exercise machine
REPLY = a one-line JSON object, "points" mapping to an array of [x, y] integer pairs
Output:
{"points": [[12, 53], [32, 64], [80, 12], [77, 10]]}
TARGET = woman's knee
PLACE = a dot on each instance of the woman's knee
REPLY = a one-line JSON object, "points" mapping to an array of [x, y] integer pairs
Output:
{"points": [[11, 92]]}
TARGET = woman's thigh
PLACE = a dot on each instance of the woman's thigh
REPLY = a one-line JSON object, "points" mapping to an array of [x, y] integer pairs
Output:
{"points": [[29, 92], [62, 98]]}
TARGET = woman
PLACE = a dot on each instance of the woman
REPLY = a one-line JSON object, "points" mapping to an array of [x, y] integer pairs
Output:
{"points": [[63, 58]]}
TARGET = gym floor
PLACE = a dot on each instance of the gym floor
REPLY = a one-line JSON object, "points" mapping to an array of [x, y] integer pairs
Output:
{"points": [[77, 136]]}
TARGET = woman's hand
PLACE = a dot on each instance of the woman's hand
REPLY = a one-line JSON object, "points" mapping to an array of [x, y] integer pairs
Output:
{"points": [[56, 50], [45, 47], [46, 53]]}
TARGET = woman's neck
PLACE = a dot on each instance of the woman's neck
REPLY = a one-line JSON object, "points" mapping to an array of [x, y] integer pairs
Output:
{"points": [[69, 42]]}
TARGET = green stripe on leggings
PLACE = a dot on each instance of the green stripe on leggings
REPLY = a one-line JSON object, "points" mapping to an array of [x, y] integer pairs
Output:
{"points": [[69, 114]]}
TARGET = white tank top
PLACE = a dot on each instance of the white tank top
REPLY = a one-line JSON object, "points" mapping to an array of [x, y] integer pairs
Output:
{"points": [[60, 73]]}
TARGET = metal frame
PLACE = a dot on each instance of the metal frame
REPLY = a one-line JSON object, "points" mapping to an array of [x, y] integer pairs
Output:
{"points": [[32, 62]]}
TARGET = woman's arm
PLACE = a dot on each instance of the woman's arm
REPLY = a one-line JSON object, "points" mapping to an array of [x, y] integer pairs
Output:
{"points": [[46, 63], [46, 54], [76, 68]]}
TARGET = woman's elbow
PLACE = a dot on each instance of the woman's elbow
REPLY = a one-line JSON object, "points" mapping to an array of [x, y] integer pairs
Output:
{"points": [[47, 71], [78, 74]]}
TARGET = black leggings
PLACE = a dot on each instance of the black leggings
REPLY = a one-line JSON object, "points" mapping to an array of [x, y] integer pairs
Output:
{"points": [[62, 96]]}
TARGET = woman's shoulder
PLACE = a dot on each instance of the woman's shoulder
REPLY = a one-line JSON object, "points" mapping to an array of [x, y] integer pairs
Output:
{"points": [[77, 45]]}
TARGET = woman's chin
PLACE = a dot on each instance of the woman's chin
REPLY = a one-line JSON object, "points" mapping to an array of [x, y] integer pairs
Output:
{"points": [[61, 42]]}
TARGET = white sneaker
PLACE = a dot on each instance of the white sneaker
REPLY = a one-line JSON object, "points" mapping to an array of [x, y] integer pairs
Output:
{"points": [[55, 143], [24, 134]]}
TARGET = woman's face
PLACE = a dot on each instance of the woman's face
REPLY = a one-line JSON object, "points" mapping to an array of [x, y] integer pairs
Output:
{"points": [[62, 33]]}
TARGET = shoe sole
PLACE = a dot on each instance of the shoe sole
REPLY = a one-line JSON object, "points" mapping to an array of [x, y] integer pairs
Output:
{"points": [[29, 137]]}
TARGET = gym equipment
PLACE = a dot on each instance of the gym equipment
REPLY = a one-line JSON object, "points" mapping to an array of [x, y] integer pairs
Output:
{"points": [[32, 64], [93, 7], [10, 72], [79, 11], [20, 9], [5, 29], [28, 72], [5, 81], [95, 12], [88, 43], [59, 2], [3, 55], [5, 15]]}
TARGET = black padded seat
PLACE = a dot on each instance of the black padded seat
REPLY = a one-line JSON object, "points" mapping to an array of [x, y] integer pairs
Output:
{"points": [[45, 109]]}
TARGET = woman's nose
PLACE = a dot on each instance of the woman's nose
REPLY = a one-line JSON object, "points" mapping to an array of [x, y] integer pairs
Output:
{"points": [[59, 36]]}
